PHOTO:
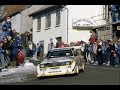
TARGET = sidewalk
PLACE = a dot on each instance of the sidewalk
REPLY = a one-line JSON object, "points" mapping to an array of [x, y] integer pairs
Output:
{"points": [[105, 66]]}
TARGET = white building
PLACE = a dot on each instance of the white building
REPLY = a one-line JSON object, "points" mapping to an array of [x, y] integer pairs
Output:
{"points": [[71, 22]]}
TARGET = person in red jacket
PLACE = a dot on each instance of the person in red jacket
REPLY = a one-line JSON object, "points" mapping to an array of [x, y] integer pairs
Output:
{"points": [[21, 57], [92, 39]]}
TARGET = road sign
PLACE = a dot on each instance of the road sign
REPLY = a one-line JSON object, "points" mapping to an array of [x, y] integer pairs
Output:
{"points": [[118, 27]]}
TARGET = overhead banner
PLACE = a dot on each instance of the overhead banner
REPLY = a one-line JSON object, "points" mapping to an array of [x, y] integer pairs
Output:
{"points": [[83, 22]]}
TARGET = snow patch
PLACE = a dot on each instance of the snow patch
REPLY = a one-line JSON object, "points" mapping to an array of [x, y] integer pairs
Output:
{"points": [[27, 68], [29, 65], [13, 75]]}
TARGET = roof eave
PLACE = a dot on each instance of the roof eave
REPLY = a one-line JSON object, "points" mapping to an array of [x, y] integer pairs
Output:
{"points": [[45, 10]]}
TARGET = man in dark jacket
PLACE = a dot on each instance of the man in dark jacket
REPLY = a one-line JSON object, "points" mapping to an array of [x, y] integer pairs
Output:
{"points": [[108, 54], [38, 50], [112, 51], [7, 26], [9, 43], [117, 56], [6, 55], [2, 55], [99, 54], [7, 23], [16, 45]]}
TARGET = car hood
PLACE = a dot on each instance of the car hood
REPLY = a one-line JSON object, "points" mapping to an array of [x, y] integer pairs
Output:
{"points": [[60, 59]]}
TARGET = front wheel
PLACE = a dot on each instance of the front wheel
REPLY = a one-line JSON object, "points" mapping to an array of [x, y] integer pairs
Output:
{"points": [[77, 70], [83, 68]]}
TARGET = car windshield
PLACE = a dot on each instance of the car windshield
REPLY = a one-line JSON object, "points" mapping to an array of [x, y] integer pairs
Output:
{"points": [[59, 53]]}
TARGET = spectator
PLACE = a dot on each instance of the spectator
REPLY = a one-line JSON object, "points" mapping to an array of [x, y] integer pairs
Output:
{"points": [[41, 51], [51, 45], [34, 48], [20, 57], [92, 39], [2, 34], [117, 56], [28, 36], [99, 54], [9, 43], [2, 55], [6, 53], [16, 45], [7, 23], [104, 52], [115, 59], [13, 33], [112, 51], [58, 44], [6, 26], [30, 50], [85, 53], [4, 31], [10, 31], [95, 52], [108, 53], [88, 54], [62, 44], [90, 48], [38, 50], [72, 44]]}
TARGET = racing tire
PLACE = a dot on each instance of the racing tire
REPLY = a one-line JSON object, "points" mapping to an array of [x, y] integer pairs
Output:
{"points": [[40, 78], [83, 69], [77, 71]]}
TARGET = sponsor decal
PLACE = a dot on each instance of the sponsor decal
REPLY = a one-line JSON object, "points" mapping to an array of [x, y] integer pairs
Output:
{"points": [[54, 68], [54, 71]]}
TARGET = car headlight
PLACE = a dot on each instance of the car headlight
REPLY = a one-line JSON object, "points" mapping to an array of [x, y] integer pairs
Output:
{"points": [[68, 63], [42, 66]]}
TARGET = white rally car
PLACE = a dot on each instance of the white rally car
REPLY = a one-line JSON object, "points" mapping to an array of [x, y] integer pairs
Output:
{"points": [[60, 61]]}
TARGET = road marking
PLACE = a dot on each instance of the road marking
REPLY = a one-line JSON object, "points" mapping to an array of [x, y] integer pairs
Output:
{"points": [[103, 67]]}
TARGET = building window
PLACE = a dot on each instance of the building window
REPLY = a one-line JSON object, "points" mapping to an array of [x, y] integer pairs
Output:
{"points": [[38, 23], [48, 20], [107, 28], [57, 17]]}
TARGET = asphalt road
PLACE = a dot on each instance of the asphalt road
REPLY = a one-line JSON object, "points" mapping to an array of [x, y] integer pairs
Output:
{"points": [[93, 75]]}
